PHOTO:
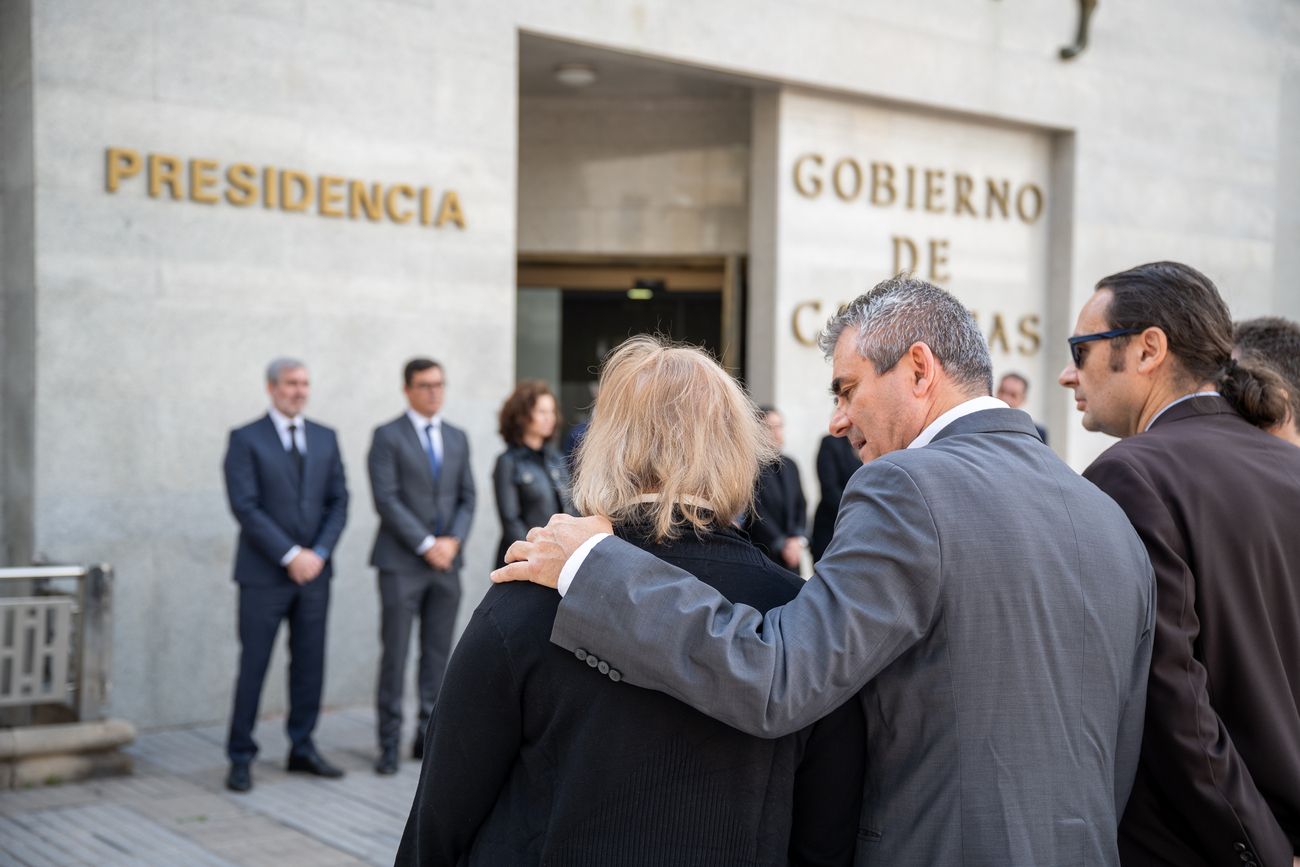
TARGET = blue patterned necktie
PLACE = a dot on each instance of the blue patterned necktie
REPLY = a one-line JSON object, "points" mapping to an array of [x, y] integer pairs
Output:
{"points": [[435, 462]]}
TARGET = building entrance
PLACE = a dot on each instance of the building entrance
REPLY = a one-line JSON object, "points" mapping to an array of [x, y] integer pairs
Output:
{"points": [[573, 310]]}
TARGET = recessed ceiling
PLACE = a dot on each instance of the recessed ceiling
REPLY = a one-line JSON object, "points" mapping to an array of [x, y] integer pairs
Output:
{"points": [[617, 74]]}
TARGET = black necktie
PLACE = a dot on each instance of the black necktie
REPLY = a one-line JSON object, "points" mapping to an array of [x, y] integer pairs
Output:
{"points": [[293, 451]]}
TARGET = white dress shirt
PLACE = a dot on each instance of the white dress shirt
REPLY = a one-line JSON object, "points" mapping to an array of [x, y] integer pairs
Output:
{"points": [[433, 439], [282, 422], [975, 404]]}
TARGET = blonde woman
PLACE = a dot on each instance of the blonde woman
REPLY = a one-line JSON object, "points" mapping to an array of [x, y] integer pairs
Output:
{"points": [[536, 755]]}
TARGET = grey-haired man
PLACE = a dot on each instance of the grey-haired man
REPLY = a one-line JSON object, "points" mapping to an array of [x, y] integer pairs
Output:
{"points": [[991, 610]]}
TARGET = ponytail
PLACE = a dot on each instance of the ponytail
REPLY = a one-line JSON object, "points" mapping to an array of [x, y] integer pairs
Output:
{"points": [[1255, 392]]}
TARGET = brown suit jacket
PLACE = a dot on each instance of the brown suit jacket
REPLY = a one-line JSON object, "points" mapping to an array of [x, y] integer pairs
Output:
{"points": [[1217, 503]]}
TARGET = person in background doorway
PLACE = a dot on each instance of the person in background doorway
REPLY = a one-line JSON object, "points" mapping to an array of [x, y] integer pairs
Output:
{"points": [[836, 464], [780, 513], [1012, 390], [1275, 342], [424, 494], [284, 478], [531, 477]]}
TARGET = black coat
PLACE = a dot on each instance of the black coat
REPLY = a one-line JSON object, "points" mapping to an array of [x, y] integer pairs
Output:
{"points": [[780, 510], [535, 755], [530, 487], [836, 464], [1215, 500]]}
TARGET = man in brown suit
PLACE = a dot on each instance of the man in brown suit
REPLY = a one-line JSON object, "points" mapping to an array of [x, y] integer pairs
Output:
{"points": [[1214, 498]]}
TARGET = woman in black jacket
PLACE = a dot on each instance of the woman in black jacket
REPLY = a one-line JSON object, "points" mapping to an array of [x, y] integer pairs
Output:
{"points": [[539, 756], [531, 478]]}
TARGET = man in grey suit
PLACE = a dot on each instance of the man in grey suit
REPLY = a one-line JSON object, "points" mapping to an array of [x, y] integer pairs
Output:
{"points": [[992, 611], [424, 493]]}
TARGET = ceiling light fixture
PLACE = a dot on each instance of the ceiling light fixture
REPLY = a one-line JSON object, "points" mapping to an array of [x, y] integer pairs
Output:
{"points": [[575, 74]]}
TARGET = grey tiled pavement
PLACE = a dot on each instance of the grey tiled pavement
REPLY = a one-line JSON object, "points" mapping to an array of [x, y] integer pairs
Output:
{"points": [[175, 810]]}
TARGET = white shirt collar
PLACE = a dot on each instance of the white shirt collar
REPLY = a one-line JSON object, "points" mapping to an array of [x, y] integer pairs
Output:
{"points": [[1174, 403], [282, 421], [975, 404], [423, 421]]}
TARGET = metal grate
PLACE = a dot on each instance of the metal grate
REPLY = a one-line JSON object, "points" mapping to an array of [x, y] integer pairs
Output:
{"points": [[35, 646]]}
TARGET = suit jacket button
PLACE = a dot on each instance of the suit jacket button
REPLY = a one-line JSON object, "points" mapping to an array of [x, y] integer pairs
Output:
{"points": [[580, 653], [1240, 847], [615, 675], [603, 668], [592, 660]]}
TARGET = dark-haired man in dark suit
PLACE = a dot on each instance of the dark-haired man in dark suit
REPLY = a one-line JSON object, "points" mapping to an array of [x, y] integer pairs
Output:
{"points": [[836, 464], [1212, 496], [284, 478], [424, 493]]}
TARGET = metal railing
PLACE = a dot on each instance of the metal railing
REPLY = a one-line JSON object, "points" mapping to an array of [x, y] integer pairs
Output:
{"points": [[54, 638]]}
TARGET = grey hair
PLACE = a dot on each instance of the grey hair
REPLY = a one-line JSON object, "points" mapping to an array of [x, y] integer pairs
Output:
{"points": [[902, 311], [280, 365]]}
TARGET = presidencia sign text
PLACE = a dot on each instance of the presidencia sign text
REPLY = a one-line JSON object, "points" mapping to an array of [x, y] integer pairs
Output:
{"points": [[245, 185]]}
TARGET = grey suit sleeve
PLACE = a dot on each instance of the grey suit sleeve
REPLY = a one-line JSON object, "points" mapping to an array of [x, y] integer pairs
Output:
{"points": [[872, 596], [1128, 746], [465, 496], [385, 486]]}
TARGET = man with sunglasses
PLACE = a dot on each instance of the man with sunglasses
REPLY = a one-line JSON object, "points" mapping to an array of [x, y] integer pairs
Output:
{"points": [[1213, 498]]}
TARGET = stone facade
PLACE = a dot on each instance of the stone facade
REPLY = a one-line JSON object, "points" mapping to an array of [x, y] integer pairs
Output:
{"points": [[136, 327]]}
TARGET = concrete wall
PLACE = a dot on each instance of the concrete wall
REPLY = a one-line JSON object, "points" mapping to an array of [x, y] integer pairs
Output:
{"points": [[661, 175], [17, 283], [153, 317]]}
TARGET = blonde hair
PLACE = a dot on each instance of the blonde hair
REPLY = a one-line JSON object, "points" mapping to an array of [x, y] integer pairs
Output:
{"points": [[669, 421]]}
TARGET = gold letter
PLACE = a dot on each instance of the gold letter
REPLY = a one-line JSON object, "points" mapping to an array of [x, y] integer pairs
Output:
{"points": [[203, 179], [882, 176], [800, 337], [270, 188], [998, 334], [847, 196], [965, 185], [240, 178], [933, 190], [815, 189], [1038, 203], [164, 170], [291, 177], [329, 197], [368, 200], [390, 197], [426, 205], [122, 163], [1001, 195], [900, 244], [911, 188], [449, 209], [938, 256], [1028, 328]]}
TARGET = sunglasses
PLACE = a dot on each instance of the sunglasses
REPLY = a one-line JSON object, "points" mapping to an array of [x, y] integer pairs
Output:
{"points": [[1077, 354]]}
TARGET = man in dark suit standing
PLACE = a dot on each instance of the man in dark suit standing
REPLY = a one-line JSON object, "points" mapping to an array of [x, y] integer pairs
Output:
{"points": [[284, 478], [836, 464], [1213, 498], [780, 512], [424, 493]]}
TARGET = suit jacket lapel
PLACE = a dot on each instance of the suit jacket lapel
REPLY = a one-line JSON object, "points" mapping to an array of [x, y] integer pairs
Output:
{"points": [[415, 441], [271, 439]]}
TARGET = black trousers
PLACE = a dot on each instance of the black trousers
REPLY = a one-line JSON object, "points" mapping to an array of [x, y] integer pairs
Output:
{"points": [[434, 598], [261, 609]]}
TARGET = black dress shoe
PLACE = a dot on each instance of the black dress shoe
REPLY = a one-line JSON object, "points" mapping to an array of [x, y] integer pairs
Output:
{"points": [[386, 764], [240, 778], [313, 763], [417, 749]]}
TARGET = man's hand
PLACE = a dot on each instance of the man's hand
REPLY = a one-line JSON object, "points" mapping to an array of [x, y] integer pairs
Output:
{"points": [[305, 567], [443, 553], [792, 551], [541, 558]]}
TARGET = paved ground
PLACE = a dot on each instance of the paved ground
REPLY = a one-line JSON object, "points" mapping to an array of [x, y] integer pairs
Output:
{"points": [[175, 810]]}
